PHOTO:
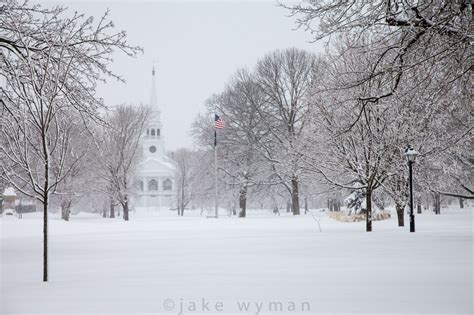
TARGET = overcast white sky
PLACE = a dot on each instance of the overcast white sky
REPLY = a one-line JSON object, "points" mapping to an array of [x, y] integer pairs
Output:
{"points": [[196, 45]]}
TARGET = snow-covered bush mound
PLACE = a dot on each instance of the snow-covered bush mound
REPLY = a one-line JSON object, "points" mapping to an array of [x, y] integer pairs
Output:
{"points": [[351, 217]]}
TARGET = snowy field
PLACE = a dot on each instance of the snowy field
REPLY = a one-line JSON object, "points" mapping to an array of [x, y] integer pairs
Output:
{"points": [[259, 265]]}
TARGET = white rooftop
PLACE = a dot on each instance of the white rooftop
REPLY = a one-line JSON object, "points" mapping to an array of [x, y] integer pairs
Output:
{"points": [[9, 192]]}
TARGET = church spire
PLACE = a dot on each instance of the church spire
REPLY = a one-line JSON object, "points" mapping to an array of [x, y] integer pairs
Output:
{"points": [[153, 97]]}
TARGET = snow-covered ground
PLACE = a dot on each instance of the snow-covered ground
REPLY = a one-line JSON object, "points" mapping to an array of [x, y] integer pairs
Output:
{"points": [[163, 263]]}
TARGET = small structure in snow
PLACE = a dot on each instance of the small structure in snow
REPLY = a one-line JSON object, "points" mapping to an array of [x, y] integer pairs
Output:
{"points": [[9, 197]]}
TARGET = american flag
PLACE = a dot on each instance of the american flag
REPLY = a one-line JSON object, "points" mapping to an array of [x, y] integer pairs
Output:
{"points": [[218, 122]]}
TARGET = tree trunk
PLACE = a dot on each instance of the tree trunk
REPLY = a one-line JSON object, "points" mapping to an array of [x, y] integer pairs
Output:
{"points": [[45, 237], [461, 203], [288, 206], [243, 202], [305, 205], [437, 203], [400, 214], [368, 201], [45, 204], [182, 200], [125, 209], [295, 202], [418, 208], [112, 209], [180, 206], [65, 209]]}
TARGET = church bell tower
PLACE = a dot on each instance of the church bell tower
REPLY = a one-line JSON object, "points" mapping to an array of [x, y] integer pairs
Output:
{"points": [[153, 145], [156, 173]]}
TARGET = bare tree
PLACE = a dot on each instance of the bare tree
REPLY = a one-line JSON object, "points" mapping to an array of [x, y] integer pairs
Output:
{"points": [[285, 78], [188, 164], [355, 160], [37, 156], [77, 182], [51, 64], [242, 164], [414, 33], [118, 150], [354, 146]]}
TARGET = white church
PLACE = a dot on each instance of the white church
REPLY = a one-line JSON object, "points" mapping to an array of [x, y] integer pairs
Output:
{"points": [[155, 180]]}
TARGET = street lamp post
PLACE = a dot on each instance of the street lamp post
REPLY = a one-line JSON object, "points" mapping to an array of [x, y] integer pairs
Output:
{"points": [[411, 156]]}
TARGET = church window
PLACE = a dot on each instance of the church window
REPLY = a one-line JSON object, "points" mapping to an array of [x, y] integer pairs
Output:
{"points": [[153, 185], [152, 149], [167, 185], [153, 132], [158, 132]]}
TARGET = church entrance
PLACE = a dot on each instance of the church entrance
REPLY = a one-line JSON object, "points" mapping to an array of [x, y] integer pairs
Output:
{"points": [[153, 202]]}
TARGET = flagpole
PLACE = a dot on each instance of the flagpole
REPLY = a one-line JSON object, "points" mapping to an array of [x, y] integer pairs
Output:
{"points": [[215, 172]]}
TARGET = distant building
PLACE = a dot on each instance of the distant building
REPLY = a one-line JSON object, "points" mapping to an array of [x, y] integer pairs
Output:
{"points": [[155, 179], [8, 199]]}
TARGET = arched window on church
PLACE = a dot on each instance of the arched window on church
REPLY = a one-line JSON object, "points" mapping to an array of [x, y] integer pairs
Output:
{"points": [[167, 185], [153, 185], [153, 132], [158, 132]]}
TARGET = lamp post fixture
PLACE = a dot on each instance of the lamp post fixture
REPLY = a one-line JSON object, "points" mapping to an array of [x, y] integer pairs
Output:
{"points": [[411, 156]]}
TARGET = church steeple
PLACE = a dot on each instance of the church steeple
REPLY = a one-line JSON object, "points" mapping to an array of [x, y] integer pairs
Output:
{"points": [[156, 172], [153, 97], [153, 140]]}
